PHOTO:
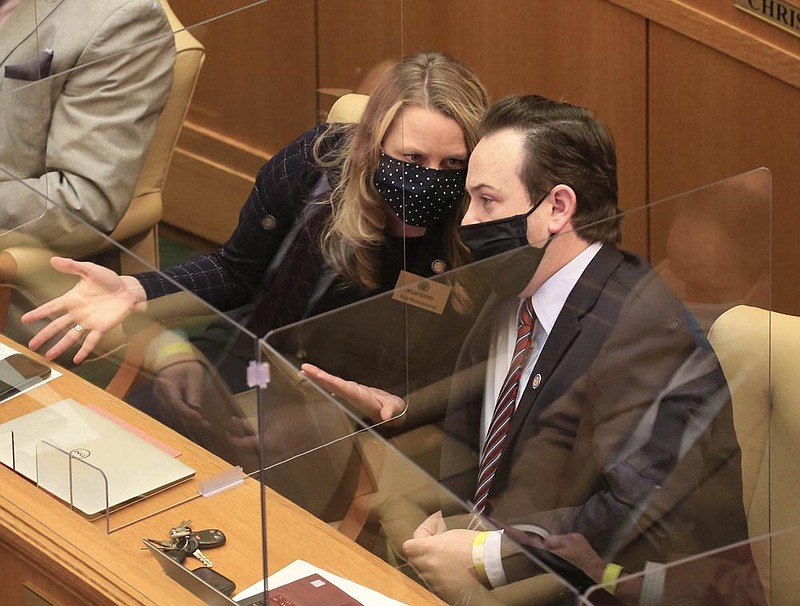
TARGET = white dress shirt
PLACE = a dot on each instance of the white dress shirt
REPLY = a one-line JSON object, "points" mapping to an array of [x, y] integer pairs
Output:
{"points": [[548, 301]]}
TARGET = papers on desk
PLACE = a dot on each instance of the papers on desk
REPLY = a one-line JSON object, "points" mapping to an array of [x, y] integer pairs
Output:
{"points": [[300, 569]]}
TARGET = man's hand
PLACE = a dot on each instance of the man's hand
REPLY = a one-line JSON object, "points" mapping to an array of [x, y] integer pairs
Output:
{"points": [[432, 526], [178, 390], [378, 404], [576, 550], [443, 558], [189, 397]]}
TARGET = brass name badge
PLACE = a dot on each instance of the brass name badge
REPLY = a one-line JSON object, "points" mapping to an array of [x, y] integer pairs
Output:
{"points": [[777, 12], [421, 292]]}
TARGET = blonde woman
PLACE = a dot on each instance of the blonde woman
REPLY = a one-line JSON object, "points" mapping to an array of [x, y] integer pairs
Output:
{"points": [[332, 218]]}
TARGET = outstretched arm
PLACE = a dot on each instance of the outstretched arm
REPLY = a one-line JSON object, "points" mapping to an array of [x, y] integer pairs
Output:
{"points": [[97, 303], [376, 403]]}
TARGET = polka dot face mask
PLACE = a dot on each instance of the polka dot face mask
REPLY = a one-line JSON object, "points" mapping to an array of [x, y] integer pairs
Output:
{"points": [[419, 196]]}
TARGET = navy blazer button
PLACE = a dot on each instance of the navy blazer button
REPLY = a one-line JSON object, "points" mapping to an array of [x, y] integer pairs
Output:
{"points": [[269, 222], [537, 380], [438, 266]]}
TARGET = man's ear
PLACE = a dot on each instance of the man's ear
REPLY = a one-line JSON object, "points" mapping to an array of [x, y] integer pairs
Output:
{"points": [[564, 205]]}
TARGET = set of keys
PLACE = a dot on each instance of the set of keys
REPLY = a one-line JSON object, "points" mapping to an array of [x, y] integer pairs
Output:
{"points": [[184, 542]]}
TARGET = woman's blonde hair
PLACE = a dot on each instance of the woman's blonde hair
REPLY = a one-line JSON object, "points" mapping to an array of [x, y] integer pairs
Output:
{"points": [[430, 80]]}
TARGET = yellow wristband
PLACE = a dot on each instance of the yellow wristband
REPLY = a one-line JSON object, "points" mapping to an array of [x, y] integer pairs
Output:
{"points": [[477, 555], [172, 349], [609, 577]]}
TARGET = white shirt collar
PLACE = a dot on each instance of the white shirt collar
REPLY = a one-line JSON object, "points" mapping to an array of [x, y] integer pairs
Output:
{"points": [[549, 298]]}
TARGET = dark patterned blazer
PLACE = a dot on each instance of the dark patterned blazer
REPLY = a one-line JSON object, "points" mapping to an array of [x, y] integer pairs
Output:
{"points": [[231, 276], [273, 259]]}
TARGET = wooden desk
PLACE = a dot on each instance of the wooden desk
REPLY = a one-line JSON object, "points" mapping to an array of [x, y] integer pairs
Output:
{"points": [[71, 561]]}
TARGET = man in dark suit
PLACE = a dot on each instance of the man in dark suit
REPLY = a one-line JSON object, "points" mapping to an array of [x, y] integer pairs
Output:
{"points": [[602, 432]]}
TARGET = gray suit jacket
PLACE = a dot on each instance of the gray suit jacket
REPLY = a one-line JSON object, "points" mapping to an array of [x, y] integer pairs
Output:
{"points": [[79, 136]]}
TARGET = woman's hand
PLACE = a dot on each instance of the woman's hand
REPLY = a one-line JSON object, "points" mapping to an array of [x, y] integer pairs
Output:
{"points": [[97, 303], [378, 404]]}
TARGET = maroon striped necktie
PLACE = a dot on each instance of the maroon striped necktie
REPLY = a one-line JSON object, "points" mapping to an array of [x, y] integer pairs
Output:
{"points": [[506, 401]]}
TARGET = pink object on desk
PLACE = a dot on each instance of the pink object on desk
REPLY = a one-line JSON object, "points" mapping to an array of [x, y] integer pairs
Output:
{"points": [[173, 452]]}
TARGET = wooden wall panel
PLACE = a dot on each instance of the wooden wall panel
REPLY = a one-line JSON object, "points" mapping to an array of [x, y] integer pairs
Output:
{"points": [[718, 24], [588, 52], [712, 117], [256, 93], [693, 91], [257, 86], [353, 37]]}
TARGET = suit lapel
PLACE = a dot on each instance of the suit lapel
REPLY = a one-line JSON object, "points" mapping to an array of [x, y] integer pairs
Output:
{"points": [[565, 331], [20, 25]]}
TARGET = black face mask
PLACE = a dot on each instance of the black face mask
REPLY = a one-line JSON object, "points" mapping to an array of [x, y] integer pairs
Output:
{"points": [[492, 238], [419, 196], [508, 274]]}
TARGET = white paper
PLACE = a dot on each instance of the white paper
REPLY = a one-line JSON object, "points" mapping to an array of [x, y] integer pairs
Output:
{"points": [[300, 569]]}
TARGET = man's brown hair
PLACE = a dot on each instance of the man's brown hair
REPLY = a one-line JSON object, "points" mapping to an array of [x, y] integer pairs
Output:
{"points": [[565, 144]]}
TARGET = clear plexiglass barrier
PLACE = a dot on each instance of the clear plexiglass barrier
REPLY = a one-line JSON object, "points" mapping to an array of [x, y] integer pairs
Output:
{"points": [[118, 415], [750, 573], [649, 428], [642, 433], [145, 416], [113, 409]]}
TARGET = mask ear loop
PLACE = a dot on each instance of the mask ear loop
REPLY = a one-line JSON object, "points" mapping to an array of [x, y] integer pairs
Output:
{"points": [[538, 203], [533, 208]]}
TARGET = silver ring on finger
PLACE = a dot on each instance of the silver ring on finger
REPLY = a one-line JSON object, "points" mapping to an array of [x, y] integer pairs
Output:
{"points": [[78, 328]]}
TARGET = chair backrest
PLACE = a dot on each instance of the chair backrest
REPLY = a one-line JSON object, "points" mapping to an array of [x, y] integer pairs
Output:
{"points": [[348, 108], [760, 355], [137, 229]]}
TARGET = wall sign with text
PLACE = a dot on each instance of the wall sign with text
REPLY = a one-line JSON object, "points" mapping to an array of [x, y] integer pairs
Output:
{"points": [[777, 12]]}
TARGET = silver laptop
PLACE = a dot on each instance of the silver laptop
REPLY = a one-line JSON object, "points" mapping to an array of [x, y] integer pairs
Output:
{"points": [[110, 465]]}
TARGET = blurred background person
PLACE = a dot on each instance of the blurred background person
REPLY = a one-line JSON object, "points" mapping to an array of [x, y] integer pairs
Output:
{"points": [[717, 248], [82, 87]]}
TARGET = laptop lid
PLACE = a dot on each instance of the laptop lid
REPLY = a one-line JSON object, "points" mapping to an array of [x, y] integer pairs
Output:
{"points": [[106, 458]]}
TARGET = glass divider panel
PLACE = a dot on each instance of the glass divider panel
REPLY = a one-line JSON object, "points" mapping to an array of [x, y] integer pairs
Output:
{"points": [[638, 452]]}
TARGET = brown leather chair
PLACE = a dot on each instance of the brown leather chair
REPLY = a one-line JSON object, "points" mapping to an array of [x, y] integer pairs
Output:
{"points": [[348, 108], [138, 229]]}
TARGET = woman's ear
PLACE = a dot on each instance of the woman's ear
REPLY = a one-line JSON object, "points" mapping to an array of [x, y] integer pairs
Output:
{"points": [[563, 207]]}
